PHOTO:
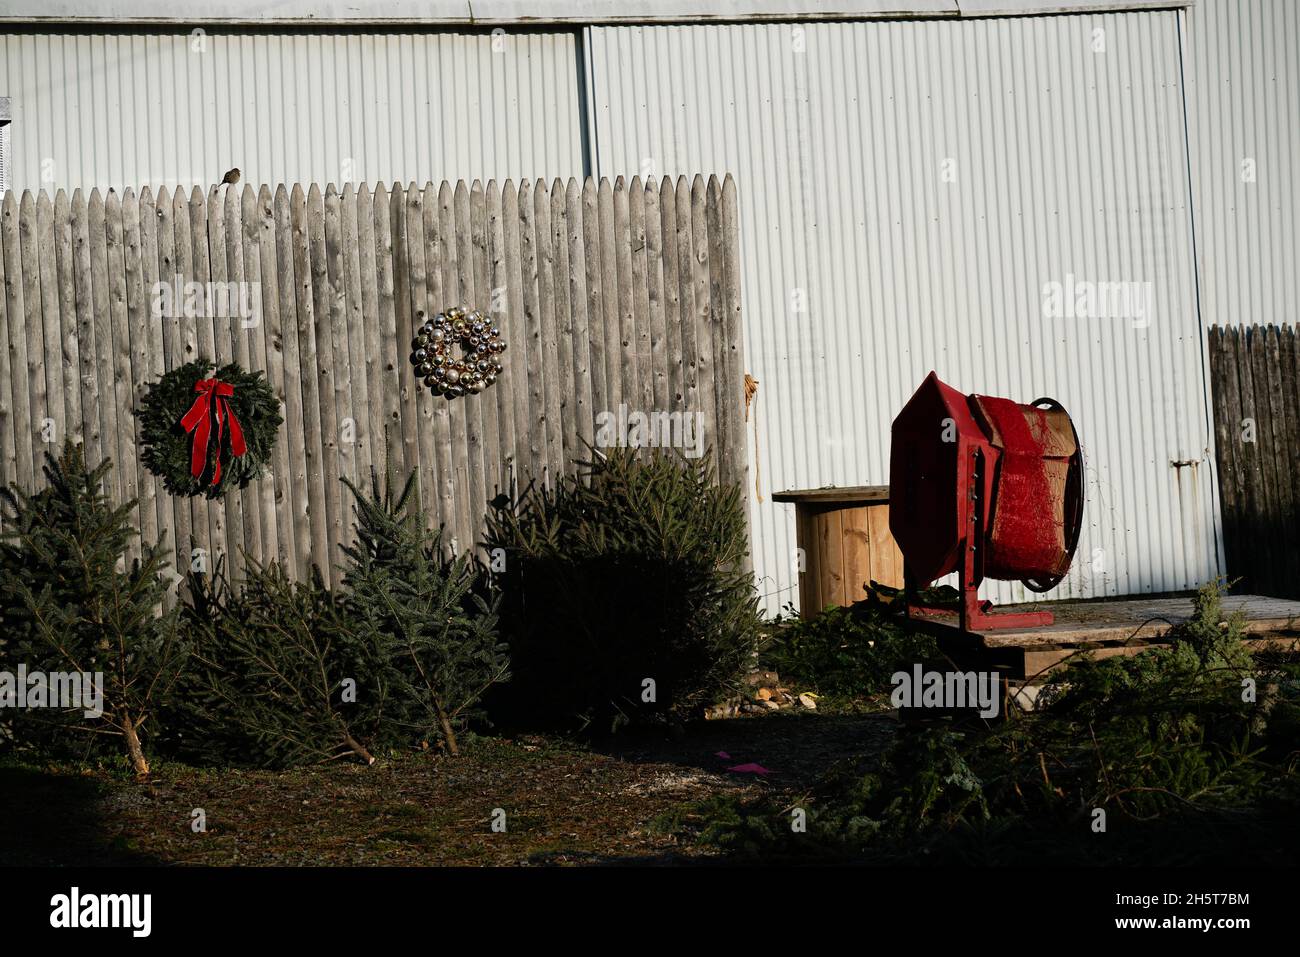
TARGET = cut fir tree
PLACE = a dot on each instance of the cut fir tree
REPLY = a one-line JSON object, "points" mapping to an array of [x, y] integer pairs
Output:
{"points": [[290, 672], [422, 616], [279, 678], [625, 593], [66, 607]]}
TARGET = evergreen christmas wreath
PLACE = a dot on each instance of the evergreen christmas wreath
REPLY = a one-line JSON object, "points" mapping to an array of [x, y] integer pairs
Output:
{"points": [[204, 434]]}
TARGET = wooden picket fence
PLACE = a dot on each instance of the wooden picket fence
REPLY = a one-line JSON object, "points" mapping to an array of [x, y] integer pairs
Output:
{"points": [[606, 294], [1255, 380]]}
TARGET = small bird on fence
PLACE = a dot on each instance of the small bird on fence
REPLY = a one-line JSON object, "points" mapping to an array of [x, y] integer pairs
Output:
{"points": [[231, 177]]}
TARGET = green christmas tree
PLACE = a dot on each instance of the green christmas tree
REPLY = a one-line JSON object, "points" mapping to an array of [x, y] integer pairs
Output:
{"points": [[421, 614], [280, 678], [72, 604], [625, 593]]}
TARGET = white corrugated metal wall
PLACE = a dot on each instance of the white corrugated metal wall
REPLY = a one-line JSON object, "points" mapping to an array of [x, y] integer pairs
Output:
{"points": [[135, 109], [1243, 86], [907, 190]]}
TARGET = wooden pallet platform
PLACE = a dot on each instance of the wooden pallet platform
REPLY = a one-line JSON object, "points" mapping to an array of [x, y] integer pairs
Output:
{"points": [[1106, 628]]}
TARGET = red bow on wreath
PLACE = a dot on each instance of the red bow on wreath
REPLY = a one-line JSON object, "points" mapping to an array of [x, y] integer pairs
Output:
{"points": [[214, 396]]}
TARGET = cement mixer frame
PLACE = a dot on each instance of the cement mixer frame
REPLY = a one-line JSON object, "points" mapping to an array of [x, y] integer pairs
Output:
{"points": [[975, 491], [972, 613]]}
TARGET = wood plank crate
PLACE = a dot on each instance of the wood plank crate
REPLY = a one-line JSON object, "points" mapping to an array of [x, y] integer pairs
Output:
{"points": [[845, 541]]}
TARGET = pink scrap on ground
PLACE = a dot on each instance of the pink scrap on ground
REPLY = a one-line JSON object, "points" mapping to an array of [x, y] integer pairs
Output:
{"points": [[750, 768]]}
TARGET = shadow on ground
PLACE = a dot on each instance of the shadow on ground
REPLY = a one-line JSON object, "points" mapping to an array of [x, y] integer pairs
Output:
{"points": [[60, 819], [796, 748]]}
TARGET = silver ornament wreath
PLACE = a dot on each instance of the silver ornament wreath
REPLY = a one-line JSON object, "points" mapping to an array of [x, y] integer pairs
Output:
{"points": [[445, 373]]}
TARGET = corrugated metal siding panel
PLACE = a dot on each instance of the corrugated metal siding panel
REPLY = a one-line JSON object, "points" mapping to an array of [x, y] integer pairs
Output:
{"points": [[1243, 83], [535, 12], [1068, 161], [132, 109]]}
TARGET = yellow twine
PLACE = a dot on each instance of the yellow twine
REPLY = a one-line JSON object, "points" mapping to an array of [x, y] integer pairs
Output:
{"points": [[751, 391]]}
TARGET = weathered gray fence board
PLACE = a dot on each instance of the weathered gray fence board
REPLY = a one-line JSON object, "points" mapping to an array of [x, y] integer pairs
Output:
{"points": [[192, 347], [256, 348], [549, 355], [672, 295], [624, 277], [340, 369], [231, 543], [137, 307], [497, 311], [51, 323], [733, 457], [103, 337], [319, 554], [8, 449], [249, 499], [686, 302], [607, 241], [67, 294], [474, 493], [595, 315], [703, 324], [1253, 376], [173, 355], [1280, 458], [654, 247], [363, 312], [1289, 459], [1266, 417], [418, 262], [607, 293], [350, 207], [154, 350], [81, 280], [481, 297], [406, 421], [563, 320], [298, 501], [123, 393], [525, 334], [723, 386], [457, 516], [212, 536], [452, 226], [511, 328], [328, 365], [438, 497], [34, 322], [393, 349], [372, 340], [580, 341], [259, 233], [27, 455], [532, 453], [641, 294]]}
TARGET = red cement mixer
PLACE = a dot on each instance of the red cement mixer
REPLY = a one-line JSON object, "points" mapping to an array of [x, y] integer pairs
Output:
{"points": [[987, 488]]}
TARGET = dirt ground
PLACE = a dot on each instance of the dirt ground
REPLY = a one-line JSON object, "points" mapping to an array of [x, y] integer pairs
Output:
{"points": [[563, 803]]}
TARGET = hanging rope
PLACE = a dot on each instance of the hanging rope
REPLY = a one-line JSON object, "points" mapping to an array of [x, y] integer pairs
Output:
{"points": [[751, 391]]}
